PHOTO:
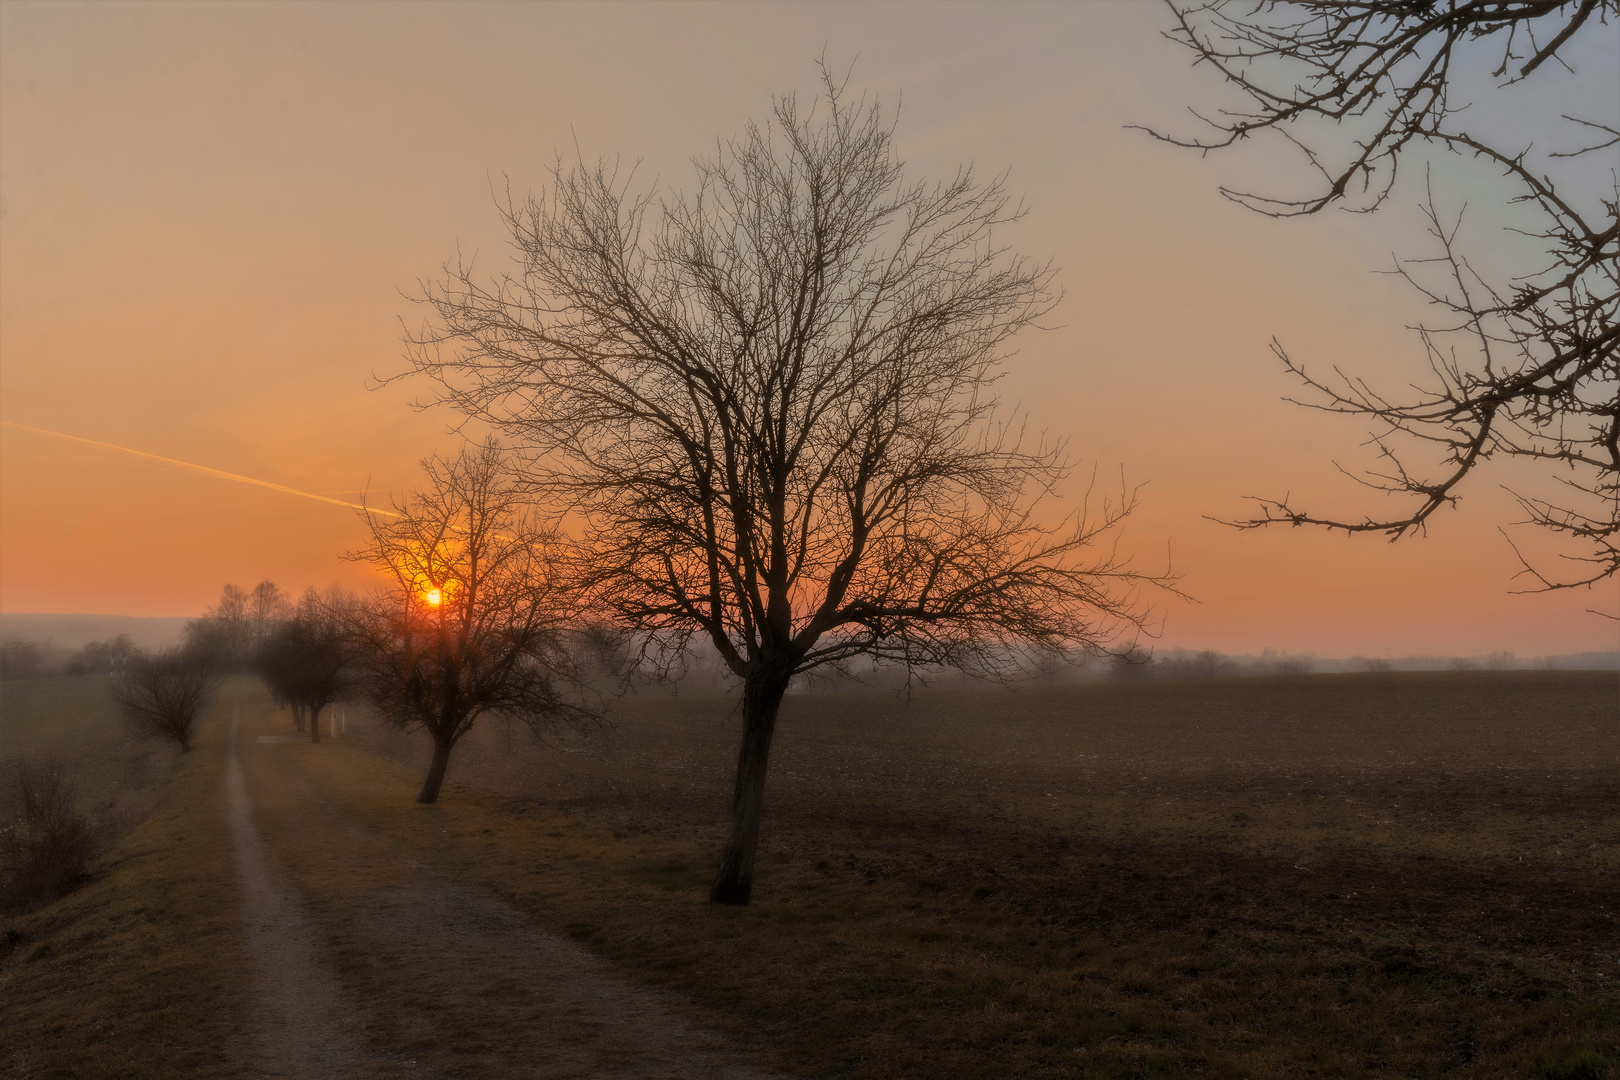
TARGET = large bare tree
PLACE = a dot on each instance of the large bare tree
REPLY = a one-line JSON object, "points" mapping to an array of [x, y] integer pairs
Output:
{"points": [[476, 620], [1522, 366], [771, 402]]}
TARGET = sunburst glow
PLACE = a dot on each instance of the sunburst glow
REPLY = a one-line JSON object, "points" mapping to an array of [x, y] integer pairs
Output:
{"points": [[434, 597]]}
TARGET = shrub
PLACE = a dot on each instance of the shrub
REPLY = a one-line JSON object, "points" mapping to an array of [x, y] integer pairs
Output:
{"points": [[21, 659], [164, 692], [48, 848]]}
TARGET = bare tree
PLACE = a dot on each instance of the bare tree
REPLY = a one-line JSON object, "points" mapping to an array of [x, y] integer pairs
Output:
{"points": [[477, 617], [1211, 663], [1134, 664], [264, 609], [21, 659], [164, 692], [308, 661], [1293, 665], [1355, 85], [224, 633], [771, 403], [603, 648], [107, 657], [49, 847]]}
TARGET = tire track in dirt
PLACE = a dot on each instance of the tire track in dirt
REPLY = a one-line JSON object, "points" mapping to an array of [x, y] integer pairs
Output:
{"points": [[313, 1031], [619, 1030], [508, 998]]}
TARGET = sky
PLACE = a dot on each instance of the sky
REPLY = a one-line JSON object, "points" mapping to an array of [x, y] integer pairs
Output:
{"points": [[213, 217]]}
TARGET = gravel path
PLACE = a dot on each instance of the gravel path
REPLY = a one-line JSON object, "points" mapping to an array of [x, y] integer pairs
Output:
{"points": [[507, 998], [313, 1032]]}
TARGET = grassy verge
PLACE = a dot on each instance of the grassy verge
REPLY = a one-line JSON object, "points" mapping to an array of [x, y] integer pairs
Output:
{"points": [[143, 971], [74, 722]]}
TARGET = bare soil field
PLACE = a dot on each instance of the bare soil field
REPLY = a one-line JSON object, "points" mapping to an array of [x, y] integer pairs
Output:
{"points": [[1379, 874], [1360, 875]]}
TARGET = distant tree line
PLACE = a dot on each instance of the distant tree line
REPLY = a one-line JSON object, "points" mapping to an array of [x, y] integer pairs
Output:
{"points": [[24, 659], [1140, 664]]}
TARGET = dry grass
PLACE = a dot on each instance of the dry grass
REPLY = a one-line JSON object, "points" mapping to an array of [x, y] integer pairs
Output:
{"points": [[142, 972], [1358, 875], [74, 721]]}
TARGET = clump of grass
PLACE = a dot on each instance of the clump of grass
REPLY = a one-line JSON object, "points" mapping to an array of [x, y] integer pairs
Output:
{"points": [[48, 848]]}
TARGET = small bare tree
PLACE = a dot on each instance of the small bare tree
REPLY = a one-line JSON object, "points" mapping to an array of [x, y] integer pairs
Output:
{"points": [[1355, 85], [308, 661], [20, 659], [164, 693], [224, 633], [49, 847], [771, 403], [477, 619], [265, 608]]}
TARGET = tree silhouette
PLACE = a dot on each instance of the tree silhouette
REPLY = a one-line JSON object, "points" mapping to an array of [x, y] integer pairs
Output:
{"points": [[164, 692], [476, 619], [308, 660], [1526, 366], [771, 403]]}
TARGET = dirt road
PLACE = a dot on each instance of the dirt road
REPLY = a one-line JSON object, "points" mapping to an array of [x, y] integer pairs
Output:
{"points": [[313, 1030], [372, 966]]}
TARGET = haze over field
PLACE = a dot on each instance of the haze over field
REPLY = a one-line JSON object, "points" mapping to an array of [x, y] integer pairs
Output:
{"points": [[209, 215]]}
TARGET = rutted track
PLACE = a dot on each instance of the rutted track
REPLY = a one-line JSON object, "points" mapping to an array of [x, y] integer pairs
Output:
{"points": [[454, 981], [313, 1031]]}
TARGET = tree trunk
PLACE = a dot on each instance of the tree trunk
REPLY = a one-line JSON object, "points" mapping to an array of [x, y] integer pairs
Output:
{"points": [[298, 717], [435, 776], [314, 725], [762, 699]]}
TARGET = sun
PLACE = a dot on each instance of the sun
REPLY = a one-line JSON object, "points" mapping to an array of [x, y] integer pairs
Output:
{"points": [[434, 597]]}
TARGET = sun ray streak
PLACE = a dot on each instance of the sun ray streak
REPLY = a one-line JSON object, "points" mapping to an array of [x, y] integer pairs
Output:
{"points": [[220, 474]]}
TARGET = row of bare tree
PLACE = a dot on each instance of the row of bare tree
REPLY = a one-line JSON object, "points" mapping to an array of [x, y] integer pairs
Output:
{"points": [[476, 619], [21, 658]]}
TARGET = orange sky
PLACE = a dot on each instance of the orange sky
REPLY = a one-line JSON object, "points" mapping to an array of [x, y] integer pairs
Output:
{"points": [[208, 214]]}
